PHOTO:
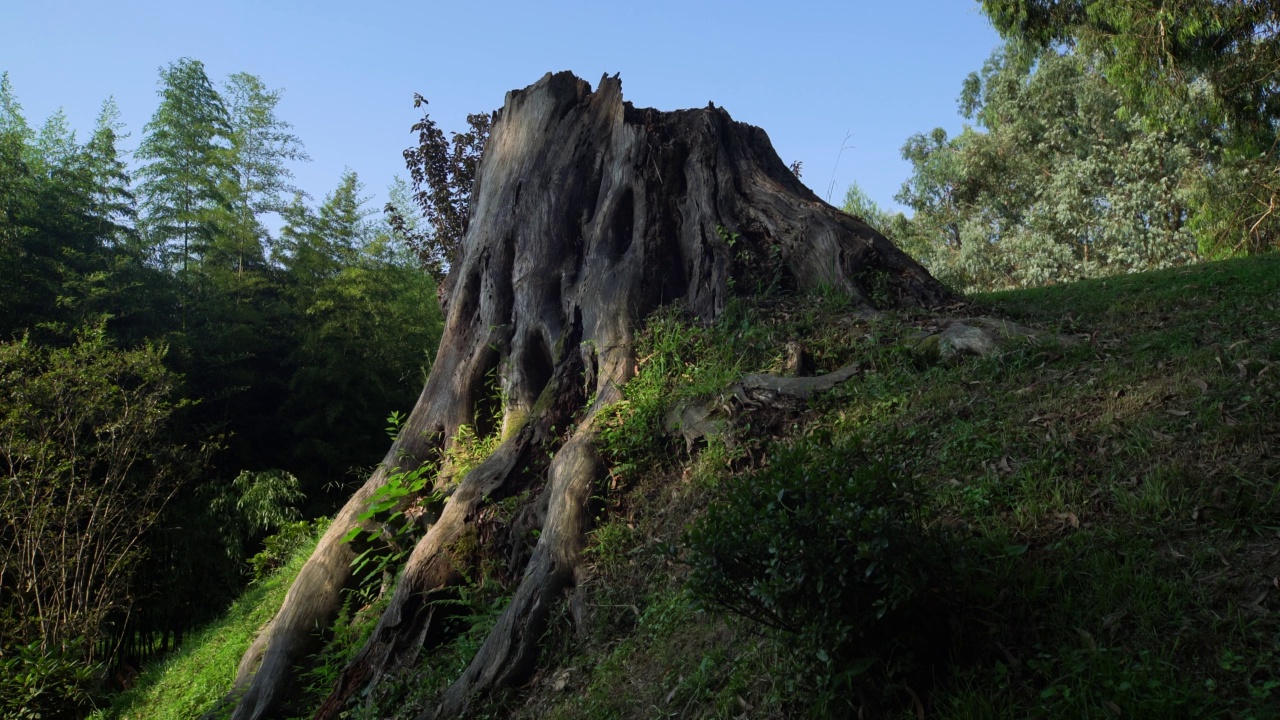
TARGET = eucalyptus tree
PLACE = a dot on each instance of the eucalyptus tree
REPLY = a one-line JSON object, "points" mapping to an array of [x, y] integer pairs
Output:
{"points": [[1057, 180], [1202, 63]]}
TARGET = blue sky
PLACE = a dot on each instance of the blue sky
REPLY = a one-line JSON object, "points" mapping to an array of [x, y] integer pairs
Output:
{"points": [[808, 73]]}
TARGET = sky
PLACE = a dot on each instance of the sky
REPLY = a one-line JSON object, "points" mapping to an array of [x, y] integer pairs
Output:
{"points": [[838, 86]]}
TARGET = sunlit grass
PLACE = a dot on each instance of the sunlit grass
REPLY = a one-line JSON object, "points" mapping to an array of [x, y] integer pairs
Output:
{"points": [[193, 681]]}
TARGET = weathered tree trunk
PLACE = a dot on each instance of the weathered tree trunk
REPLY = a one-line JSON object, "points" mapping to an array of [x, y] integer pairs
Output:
{"points": [[587, 214]]}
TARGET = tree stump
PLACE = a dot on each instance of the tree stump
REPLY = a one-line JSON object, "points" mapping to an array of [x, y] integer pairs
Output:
{"points": [[587, 215]]}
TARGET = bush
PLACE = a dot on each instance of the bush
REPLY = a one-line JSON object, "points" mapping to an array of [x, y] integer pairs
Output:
{"points": [[279, 548], [88, 462], [826, 550], [35, 683]]}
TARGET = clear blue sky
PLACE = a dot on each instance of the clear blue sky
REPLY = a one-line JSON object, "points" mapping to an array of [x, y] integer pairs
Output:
{"points": [[807, 72]]}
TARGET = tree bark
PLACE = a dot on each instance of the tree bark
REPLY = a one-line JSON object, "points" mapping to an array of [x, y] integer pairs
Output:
{"points": [[587, 214]]}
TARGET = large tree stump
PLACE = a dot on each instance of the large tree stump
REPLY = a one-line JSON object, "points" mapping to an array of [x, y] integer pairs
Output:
{"points": [[587, 214]]}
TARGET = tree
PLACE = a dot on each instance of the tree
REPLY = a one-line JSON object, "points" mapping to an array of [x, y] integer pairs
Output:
{"points": [[1199, 62], [110, 188], [859, 204], [366, 319], [261, 145], [186, 151], [11, 117], [87, 470], [66, 209], [1056, 182], [586, 215]]}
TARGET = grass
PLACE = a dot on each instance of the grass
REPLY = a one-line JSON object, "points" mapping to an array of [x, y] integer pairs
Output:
{"points": [[193, 681], [1123, 484]]}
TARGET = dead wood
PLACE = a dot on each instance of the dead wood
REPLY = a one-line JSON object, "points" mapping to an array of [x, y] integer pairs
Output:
{"points": [[587, 214]]}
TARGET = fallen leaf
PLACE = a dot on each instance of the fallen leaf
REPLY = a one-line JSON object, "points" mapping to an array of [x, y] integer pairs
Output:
{"points": [[1113, 618], [1204, 386], [1113, 708], [1161, 436], [1179, 413], [1087, 638]]}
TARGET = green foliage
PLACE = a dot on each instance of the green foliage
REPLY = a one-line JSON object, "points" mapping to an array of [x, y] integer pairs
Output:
{"points": [[257, 503], [63, 227], [88, 467], [366, 323], [468, 450], [36, 682], [859, 204], [1059, 181], [284, 544], [349, 631], [261, 144], [680, 361], [187, 165], [1212, 63], [193, 681], [765, 551], [267, 499], [389, 527]]}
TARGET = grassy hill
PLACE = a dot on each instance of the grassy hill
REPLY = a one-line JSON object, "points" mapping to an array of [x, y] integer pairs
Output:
{"points": [[1083, 527]]}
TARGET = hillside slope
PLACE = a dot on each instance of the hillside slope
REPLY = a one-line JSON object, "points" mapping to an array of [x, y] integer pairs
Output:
{"points": [[1093, 527]]}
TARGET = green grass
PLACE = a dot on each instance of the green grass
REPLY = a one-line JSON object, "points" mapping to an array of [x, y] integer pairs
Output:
{"points": [[193, 681], [1129, 473]]}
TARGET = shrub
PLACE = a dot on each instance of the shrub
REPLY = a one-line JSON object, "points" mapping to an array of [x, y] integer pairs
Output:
{"points": [[40, 683], [825, 550], [88, 463], [277, 549]]}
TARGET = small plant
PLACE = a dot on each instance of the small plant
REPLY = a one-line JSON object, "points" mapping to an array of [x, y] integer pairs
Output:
{"points": [[392, 535], [394, 422], [727, 237], [468, 450]]}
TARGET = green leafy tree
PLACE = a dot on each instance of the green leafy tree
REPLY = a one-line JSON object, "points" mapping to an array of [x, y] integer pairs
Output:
{"points": [[1197, 63], [367, 325], [187, 166], [262, 145], [11, 118], [65, 227], [88, 466], [859, 204], [1058, 180]]}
